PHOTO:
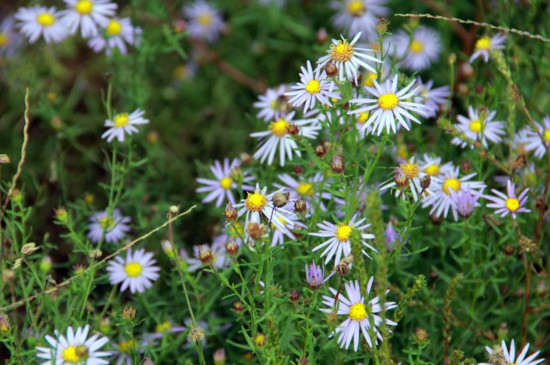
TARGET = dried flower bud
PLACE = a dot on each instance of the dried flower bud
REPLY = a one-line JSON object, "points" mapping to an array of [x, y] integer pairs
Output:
{"points": [[300, 206], [322, 36], [421, 334], [293, 129], [260, 340], [425, 182], [153, 137], [436, 221], [527, 245], [57, 123], [519, 161], [17, 264], [331, 69], [231, 248], [29, 248], [197, 334], [129, 313], [230, 213], [303, 361], [204, 253], [467, 70], [174, 209], [298, 170], [382, 26], [463, 89], [255, 231], [337, 164], [400, 179], [343, 266], [4, 159], [497, 356], [236, 174], [238, 307], [281, 198], [95, 254], [81, 351], [294, 295], [320, 150], [4, 323], [246, 158]]}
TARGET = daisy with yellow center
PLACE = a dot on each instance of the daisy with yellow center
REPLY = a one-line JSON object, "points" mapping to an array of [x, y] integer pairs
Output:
{"points": [[88, 15], [109, 227], [510, 357], [479, 126], [388, 106], [532, 140], [486, 44], [348, 58], [418, 51], [408, 177], [117, 34], [338, 244], [359, 16], [136, 271], [41, 21], [74, 348], [204, 21], [358, 313], [273, 104], [123, 124], [509, 203], [313, 87]]}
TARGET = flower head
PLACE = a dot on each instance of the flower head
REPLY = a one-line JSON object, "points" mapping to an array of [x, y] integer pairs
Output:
{"points": [[89, 15], [38, 21], [486, 44], [123, 124], [205, 21], [112, 227], [273, 104], [314, 276], [359, 16], [510, 355], [479, 126], [136, 271], [532, 140], [418, 50], [117, 33], [509, 203]]}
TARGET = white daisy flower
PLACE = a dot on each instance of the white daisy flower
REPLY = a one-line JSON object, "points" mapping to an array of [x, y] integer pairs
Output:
{"points": [[88, 15], [75, 348], [533, 142], [112, 228], [389, 106], [432, 166], [221, 188], [479, 126], [510, 355], [122, 124], [486, 44], [338, 244], [306, 188], [205, 21], [359, 16], [38, 21], [280, 136], [408, 176], [117, 34], [10, 40], [442, 198], [136, 271], [509, 203], [313, 87], [260, 204], [432, 99], [352, 305], [273, 104], [419, 50], [348, 58]]}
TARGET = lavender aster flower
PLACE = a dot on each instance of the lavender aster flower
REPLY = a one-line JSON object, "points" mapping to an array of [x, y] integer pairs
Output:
{"points": [[113, 226], [508, 204], [464, 201], [314, 276]]}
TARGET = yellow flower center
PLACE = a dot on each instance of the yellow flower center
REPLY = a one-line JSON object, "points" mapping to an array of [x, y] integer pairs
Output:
{"points": [[313, 87], [45, 19], [512, 204], [84, 7], [74, 354], [362, 117], [121, 120], [205, 19], [416, 46], [357, 312], [163, 327], [106, 222], [305, 189], [343, 232], [341, 52], [546, 132], [432, 170], [3, 39], [410, 169], [133, 269], [226, 183], [279, 128], [369, 79], [127, 346], [451, 183], [255, 202], [356, 8], [483, 44], [475, 125], [388, 101], [113, 28]]}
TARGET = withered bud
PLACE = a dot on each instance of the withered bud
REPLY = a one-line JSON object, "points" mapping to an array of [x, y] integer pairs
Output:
{"points": [[463, 89], [322, 36], [254, 231], [153, 137], [298, 170], [382, 26], [466, 167], [421, 334], [231, 248], [303, 361], [281, 198], [519, 161], [205, 254], [230, 213], [129, 313], [148, 361], [236, 174], [293, 129], [17, 264], [196, 334], [331, 69], [400, 179], [29, 248], [81, 351], [294, 295], [96, 254], [7, 275], [246, 158], [300, 206], [436, 221], [467, 70], [238, 307], [174, 209], [527, 244], [4, 159], [425, 182], [343, 266], [320, 150], [497, 355], [337, 164]]}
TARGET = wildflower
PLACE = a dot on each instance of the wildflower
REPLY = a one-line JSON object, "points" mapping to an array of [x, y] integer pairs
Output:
{"points": [[510, 356], [219, 356], [88, 15], [442, 198], [10, 41], [348, 58], [508, 203], [486, 44], [74, 348], [388, 106], [479, 126], [136, 271], [313, 87], [314, 276], [231, 248], [113, 226], [419, 50], [353, 306], [280, 137], [337, 163], [408, 175], [222, 186], [465, 200], [359, 16], [213, 255], [339, 242], [205, 21], [117, 34], [305, 189], [273, 104], [432, 99], [432, 166], [532, 140], [122, 124], [124, 351], [38, 21]]}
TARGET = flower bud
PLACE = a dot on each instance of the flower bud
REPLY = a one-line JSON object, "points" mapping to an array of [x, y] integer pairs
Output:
{"points": [[300, 206], [180, 26], [246, 158], [204, 254], [95, 254], [466, 167], [148, 361], [105, 325], [421, 334], [129, 313], [425, 182], [46, 264], [322, 36], [298, 170], [231, 248], [197, 334], [294, 295], [320, 150], [238, 306], [281, 198], [61, 215], [382, 26], [467, 70], [4, 159], [174, 209], [28, 248], [337, 164], [293, 129], [260, 340], [219, 357], [230, 213], [331, 69], [400, 179], [153, 137], [255, 231]]}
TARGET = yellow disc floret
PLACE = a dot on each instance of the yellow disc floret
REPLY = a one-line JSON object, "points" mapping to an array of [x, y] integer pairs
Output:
{"points": [[279, 128], [45, 19], [205, 19], [305, 188], [416, 46], [84, 7], [226, 183], [121, 120], [341, 52], [343, 231], [483, 44], [255, 202], [113, 28], [388, 101], [362, 117], [106, 222], [410, 169], [432, 170], [357, 312], [313, 87], [356, 8], [512, 204], [369, 79], [547, 135], [451, 183], [133, 269], [476, 126], [70, 355], [163, 327]]}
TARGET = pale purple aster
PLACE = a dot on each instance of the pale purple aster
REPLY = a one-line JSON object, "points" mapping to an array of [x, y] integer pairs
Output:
{"points": [[509, 203], [117, 34], [273, 104], [479, 126], [136, 271], [419, 50], [220, 189], [112, 227], [205, 21], [465, 200], [41, 21], [10, 39], [88, 15], [510, 355], [411, 176], [278, 237], [433, 98], [123, 124], [533, 142], [359, 16], [432, 165], [486, 44], [315, 276]]}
